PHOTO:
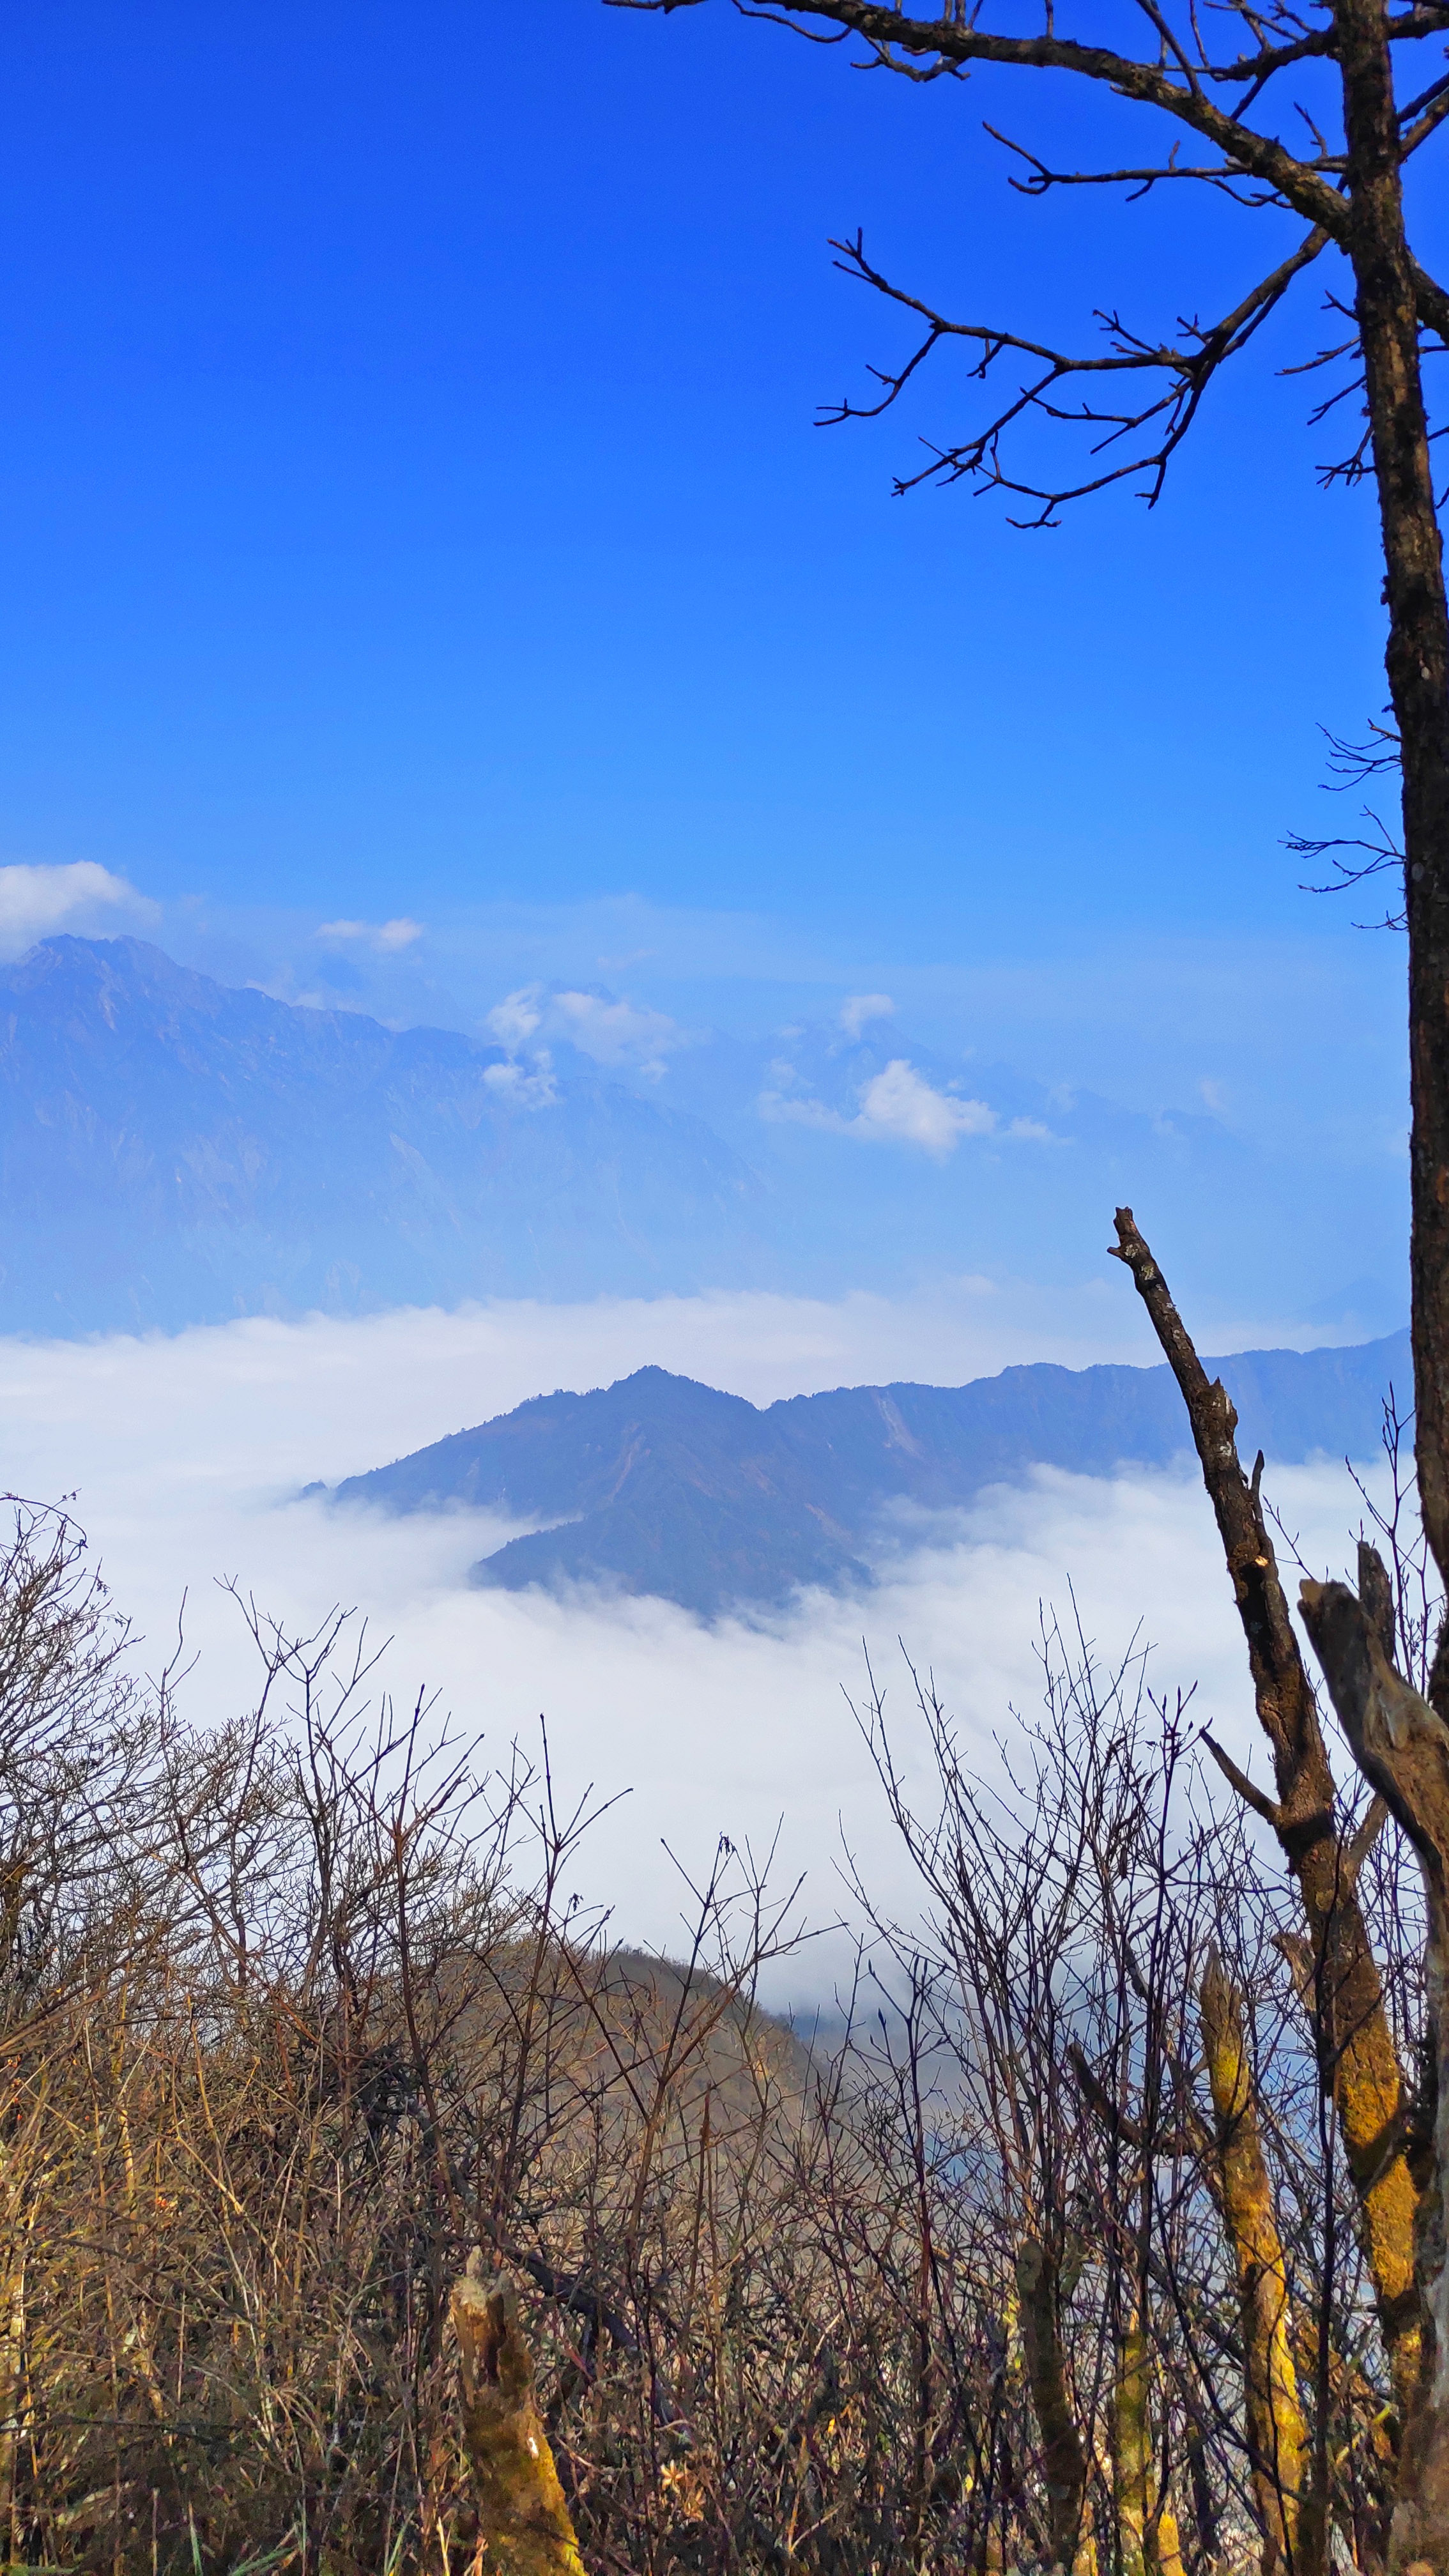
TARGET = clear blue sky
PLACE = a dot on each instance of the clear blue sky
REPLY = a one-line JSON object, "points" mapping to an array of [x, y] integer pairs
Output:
{"points": [[409, 488], [409, 503]]}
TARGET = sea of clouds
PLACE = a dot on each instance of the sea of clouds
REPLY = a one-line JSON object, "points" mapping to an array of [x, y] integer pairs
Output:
{"points": [[186, 1456]]}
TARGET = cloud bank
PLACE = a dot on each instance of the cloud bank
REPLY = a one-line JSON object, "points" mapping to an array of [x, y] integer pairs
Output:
{"points": [[188, 1455]]}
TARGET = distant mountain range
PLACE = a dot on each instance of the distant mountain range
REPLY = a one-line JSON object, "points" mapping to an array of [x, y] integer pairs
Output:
{"points": [[174, 1150], [660, 1485]]}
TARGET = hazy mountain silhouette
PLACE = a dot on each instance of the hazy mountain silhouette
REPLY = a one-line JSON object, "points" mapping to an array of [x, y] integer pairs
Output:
{"points": [[175, 1151], [660, 1485]]}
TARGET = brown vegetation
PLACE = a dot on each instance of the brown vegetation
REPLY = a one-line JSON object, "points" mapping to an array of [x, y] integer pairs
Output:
{"points": [[1060, 2250]]}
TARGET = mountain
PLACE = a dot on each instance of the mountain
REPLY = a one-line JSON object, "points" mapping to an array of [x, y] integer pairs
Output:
{"points": [[660, 1485], [176, 1151]]}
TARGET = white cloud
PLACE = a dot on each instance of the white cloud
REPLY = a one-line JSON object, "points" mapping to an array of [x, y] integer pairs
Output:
{"points": [[516, 1017], [186, 1450], [863, 1007], [512, 1022], [83, 896], [526, 1090], [609, 1032], [900, 1104], [616, 1032], [385, 938]]}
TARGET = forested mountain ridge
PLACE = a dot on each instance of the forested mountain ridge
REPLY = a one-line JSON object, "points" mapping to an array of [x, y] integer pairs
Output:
{"points": [[658, 1484]]}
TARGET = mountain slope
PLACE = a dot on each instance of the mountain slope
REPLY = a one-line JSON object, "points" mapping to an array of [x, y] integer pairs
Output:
{"points": [[660, 1485], [174, 1151]]}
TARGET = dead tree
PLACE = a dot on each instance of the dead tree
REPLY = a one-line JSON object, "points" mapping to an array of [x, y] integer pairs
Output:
{"points": [[1358, 2063], [1277, 2432], [1402, 1745], [1330, 71], [1132, 401], [1398, 2157]]}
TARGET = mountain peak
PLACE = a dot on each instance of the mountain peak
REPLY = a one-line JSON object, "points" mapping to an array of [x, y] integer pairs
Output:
{"points": [[657, 1484], [175, 1150]]}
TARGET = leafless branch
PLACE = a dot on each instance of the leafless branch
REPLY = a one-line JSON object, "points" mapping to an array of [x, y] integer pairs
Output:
{"points": [[1188, 368]]}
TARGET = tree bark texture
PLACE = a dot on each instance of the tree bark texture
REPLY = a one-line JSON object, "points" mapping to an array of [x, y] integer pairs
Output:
{"points": [[1148, 2540], [1417, 661], [1277, 2431], [523, 2520], [1402, 1746], [1357, 2061], [1064, 2459]]}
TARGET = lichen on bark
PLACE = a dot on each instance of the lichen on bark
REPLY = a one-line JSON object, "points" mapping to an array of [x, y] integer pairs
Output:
{"points": [[1277, 2431], [523, 2520]]}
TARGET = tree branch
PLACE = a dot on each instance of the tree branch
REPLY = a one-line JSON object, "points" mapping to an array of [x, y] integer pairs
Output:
{"points": [[1400, 1743], [1248, 1790], [955, 42], [1190, 371]]}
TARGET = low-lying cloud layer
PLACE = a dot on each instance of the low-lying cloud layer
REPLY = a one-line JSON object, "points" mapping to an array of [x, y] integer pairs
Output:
{"points": [[187, 1456]]}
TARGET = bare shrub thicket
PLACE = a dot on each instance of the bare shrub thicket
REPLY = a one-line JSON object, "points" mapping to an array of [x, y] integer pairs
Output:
{"points": [[1048, 2255]]}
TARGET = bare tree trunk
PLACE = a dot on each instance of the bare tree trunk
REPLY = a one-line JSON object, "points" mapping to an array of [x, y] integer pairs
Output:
{"points": [[1418, 671], [1133, 2448], [1147, 2533], [523, 2521], [1402, 1746], [12, 2387], [1064, 2460], [1357, 2061], [1277, 2432]]}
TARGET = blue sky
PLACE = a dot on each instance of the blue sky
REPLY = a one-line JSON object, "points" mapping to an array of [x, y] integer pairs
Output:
{"points": [[410, 506]]}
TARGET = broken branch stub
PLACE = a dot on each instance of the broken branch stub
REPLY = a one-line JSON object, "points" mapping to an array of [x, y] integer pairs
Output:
{"points": [[1400, 1743], [523, 2520], [1342, 1990]]}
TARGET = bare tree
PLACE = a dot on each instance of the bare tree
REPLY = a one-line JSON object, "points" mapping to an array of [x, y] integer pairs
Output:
{"points": [[1328, 70], [1221, 90]]}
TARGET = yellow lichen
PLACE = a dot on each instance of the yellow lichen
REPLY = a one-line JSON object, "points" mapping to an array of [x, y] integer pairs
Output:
{"points": [[1277, 2431], [523, 2521]]}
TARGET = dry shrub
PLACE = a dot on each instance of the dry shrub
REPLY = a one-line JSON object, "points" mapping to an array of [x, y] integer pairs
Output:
{"points": [[297, 2011]]}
